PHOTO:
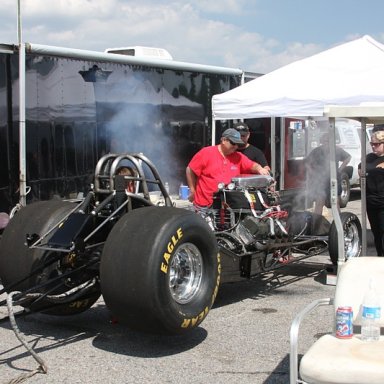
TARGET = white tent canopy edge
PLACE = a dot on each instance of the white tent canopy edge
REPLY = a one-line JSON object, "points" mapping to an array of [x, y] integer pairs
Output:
{"points": [[347, 74]]}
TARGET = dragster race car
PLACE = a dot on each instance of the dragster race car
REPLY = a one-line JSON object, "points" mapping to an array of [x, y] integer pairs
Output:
{"points": [[158, 267]]}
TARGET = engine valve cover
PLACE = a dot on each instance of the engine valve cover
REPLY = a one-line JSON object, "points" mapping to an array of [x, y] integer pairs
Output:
{"points": [[254, 181]]}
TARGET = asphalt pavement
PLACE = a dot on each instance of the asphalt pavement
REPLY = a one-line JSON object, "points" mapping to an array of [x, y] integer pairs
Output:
{"points": [[244, 339]]}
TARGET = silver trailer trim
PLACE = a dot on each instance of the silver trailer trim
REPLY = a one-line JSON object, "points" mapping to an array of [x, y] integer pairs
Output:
{"points": [[124, 59]]}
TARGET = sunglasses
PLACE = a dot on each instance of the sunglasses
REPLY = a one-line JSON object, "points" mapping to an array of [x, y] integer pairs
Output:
{"points": [[375, 144], [232, 143]]}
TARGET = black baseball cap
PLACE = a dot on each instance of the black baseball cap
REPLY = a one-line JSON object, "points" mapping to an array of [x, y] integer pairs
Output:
{"points": [[241, 127]]}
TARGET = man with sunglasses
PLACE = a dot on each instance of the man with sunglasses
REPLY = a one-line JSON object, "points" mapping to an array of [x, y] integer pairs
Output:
{"points": [[218, 164], [249, 150]]}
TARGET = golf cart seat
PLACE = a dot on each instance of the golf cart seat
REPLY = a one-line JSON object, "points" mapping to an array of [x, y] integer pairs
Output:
{"points": [[334, 360]]}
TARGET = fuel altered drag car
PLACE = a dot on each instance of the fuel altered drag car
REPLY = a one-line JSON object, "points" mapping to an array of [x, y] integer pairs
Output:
{"points": [[158, 267]]}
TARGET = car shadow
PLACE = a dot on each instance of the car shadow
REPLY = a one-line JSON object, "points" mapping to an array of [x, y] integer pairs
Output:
{"points": [[96, 323], [266, 284], [124, 341]]}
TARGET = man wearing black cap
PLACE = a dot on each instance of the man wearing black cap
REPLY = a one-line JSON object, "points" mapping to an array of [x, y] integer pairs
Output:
{"points": [[218, 164], [378, 127], [249, 150]]}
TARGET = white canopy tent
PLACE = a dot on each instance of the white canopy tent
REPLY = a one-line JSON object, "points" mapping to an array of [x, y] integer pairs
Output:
{"points": [[344, 81], [348, 74]]}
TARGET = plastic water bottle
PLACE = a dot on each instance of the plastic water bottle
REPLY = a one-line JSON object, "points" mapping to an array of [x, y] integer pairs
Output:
{"points": [[370, 325]]}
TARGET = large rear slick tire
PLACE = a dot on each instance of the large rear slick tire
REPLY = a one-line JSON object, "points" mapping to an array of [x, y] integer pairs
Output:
{"points": [[352, 237], [18, 262], [160, 270]]}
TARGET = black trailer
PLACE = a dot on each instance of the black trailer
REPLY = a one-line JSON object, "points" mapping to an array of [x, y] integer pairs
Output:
{"points": [[80, 105]]}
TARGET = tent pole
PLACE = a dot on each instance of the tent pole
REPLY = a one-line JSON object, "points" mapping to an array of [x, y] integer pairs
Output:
{"points": [[282, 153], [363, 187], [273, 145], [22, 150], [334, 195], [213, 131], [22, 143]]}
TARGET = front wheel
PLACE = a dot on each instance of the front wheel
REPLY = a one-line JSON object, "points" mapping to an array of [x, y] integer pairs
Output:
{"points": [[352, 237], [160, 269]]}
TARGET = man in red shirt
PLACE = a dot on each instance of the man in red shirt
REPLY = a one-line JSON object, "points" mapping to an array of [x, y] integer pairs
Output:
{"points": [[218, 164]]}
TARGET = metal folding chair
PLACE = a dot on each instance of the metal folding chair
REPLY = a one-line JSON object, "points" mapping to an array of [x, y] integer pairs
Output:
{"points": [[333, 360]]}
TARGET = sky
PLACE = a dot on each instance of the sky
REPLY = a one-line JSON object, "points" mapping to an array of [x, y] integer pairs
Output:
{"points": [[253, 35]]}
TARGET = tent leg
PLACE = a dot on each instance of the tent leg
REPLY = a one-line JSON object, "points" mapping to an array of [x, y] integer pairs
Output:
{"points": [[334, 197], [362, 188]]}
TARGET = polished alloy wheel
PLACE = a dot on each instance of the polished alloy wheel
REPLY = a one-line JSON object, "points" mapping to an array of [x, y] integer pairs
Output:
{"points": [[186, 271]]}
